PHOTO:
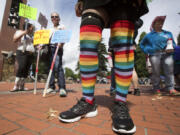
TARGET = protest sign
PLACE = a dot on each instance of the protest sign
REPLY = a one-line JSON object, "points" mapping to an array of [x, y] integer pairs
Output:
{"points": [[27, 11], [61, 36], [41, 37]]}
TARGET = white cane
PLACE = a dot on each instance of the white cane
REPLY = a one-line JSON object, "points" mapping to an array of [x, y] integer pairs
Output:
{"points": [[51, 69], [37, 64]]}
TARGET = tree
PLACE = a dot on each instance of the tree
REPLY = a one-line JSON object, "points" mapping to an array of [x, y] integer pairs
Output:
{"points": [[69, 73], [102, 59], [140, 60], [78, 70]]}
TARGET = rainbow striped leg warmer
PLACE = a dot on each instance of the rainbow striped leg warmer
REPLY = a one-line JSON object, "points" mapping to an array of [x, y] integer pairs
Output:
{"points": [[122, 39], [90, 37]]}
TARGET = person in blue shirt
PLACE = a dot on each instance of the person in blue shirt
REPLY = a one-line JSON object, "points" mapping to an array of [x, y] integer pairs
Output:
{"points": [[155, 45]]}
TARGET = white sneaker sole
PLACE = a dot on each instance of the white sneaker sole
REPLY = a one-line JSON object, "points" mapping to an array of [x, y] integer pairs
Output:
{"points": [[133, 130], [63, 93], [88, 115]]}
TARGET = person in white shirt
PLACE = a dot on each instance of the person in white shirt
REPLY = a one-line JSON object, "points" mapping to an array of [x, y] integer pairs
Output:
{"points": [[55, 18], [24, 55]]}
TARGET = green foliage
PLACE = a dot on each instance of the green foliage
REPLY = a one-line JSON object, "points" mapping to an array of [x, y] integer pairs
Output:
{"points": [[140, 63], [140, 60], [142, 36], [69, 73], [102, 59]]}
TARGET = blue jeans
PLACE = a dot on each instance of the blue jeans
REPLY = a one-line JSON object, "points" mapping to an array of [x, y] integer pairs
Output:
{"points": [[57, 69], [164, 61]]}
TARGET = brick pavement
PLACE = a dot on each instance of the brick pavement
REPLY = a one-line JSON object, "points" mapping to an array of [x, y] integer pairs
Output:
{"points": [[23, 113]]}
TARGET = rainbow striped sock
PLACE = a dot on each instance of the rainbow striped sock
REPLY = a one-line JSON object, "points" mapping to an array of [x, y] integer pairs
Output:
{"points": [[122, 39], [90, 37]]}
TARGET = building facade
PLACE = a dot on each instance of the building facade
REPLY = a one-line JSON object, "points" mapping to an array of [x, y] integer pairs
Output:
{"points": [[9, 23]]}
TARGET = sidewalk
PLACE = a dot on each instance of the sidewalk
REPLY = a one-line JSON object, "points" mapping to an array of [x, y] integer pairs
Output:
{"points": [[23, 113]]}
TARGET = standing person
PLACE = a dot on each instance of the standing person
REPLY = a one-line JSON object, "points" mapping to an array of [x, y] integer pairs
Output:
{"points": [[55, 18], [24, 55], [155, 45], [119, 16], [134, 82], [111, 56]]}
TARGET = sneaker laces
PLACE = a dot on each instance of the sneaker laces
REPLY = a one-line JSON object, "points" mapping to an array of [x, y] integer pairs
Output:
{"points": [[80, 105], [120, 110]]}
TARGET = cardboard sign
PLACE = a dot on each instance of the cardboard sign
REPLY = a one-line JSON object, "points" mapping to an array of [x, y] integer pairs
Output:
{"points": [[27, 11], [41, 37], [61, 36], [42, 20]]}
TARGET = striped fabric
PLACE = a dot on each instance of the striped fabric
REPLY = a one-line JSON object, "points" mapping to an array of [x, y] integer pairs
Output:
{"points": [[122, 39], [90, 37]]}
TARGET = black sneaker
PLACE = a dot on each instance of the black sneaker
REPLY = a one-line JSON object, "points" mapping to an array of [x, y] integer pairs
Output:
{"points": [[137, 92], [122, 122], [81, 109]]}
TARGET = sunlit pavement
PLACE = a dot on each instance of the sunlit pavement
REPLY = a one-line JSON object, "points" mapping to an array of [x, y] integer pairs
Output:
{"points": [[23, 113]]}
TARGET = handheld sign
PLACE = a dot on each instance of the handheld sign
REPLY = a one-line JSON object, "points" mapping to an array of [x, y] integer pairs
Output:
{"points": [[27, 11], [61, 36], [41, 37]]}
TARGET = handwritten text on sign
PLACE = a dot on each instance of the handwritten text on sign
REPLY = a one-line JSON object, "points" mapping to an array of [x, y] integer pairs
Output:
{"points": [[41, 37], [61, 36], [27, 11]]}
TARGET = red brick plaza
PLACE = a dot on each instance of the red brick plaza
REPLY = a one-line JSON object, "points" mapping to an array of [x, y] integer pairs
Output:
{"points": [[23, 113]]}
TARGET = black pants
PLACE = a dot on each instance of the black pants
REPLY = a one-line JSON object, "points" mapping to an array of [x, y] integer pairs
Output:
{"points": [[24, 61]]}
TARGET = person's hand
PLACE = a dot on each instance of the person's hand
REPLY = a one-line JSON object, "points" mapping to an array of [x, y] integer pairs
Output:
{"points": [[60, 45], [79, 8], [39, 47], [25, 32]]}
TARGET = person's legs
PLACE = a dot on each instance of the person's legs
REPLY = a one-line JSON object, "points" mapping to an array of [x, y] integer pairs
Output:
{"points": [[177, 81], [113, 83], [17, 79], [61, 78], [134, 79], [21, 60], [28, 58], [52, 79], [122, 37], [177, 75], [90, 37], [122, 31], [156, 69], [16, 85], [135, 83], [168, 68]]}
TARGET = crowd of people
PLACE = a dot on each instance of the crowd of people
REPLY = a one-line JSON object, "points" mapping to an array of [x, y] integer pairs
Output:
{"points": [[122, 17]]}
